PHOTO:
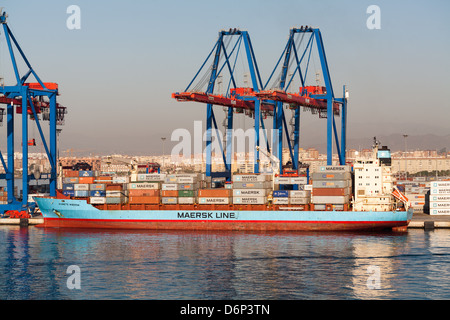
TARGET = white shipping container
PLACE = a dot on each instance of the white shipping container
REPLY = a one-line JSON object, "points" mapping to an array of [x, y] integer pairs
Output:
{"points": [[335, 169], [439, 205], [249, 200], [250, 192], [169, 186], [330, 199], [308, 187], [120, 180], [299, 200], [97, 200], [214, 200], [299, 194], [151, 177], [113, 193], [144, 185], [81, 187], [299, 180], [439, 211], [440, 184], [440, 191], [437, 198], [250, 178], [186, 200], [187, 180], [282, 180]]}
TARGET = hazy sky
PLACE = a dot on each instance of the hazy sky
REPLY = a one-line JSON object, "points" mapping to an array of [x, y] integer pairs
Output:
{"points": [[117, 73]]}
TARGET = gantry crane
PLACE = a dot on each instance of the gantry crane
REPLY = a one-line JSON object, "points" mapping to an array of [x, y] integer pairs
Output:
{"points": [[262, 101], [29, 99]]}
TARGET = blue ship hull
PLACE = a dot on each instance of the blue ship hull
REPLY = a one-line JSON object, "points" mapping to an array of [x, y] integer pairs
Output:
{"points": [[63, 213]]}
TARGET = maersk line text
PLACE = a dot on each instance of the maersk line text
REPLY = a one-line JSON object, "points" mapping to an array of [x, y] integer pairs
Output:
{"points": [[207, 215]]}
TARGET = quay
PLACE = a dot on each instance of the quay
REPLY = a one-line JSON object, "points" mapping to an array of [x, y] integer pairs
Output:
{"points": [[419, 221]]}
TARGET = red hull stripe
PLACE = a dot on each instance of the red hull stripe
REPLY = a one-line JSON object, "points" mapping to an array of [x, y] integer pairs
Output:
{"points": [[220, 224]]}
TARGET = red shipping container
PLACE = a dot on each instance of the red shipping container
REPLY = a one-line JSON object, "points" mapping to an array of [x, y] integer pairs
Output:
{"points": [[112, 186], [143, 200], [215, 193], [330, 192], [169, 193], [86, 180], [143, 193]]}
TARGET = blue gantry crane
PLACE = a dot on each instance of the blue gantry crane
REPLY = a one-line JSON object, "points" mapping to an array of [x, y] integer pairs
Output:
{"points": [[29, 99], [261, 100]]}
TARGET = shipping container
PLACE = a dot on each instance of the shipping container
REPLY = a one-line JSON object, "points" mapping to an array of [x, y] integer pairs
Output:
{"points": [[280, 200], [114, 200], [169, 200], [86, 173], [81, 187], [299, 200], [437, 198], [70, 173], [187, 179], [439, 205], [213, 200], [280, 193], [169, 186], [169, 193], [440, 184], [250, 192], [335, 169], [249, 200], [71, 180], [186, 200], [299, 180], [330, 184], [68, 186], [117, 187], [69, 193], [97, 193], [97, 200], [97, 186], [251, 178], [144, 193], [439, 211], [330, 199], [299, 194], [330, 191], [144, 185], [252, 185], [86, 180], [208, 193], [103, 179], [186, 193], [150, 177], [187, 186], [143, 200], [331, 176], [114, 193], [440, 191], [81, 193], [120, 179]]}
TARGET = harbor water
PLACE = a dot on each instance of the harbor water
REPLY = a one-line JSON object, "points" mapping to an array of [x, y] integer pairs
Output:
{"points": [[52, 264]]}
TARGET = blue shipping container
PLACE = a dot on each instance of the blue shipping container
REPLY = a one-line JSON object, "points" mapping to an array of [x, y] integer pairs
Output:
{"points": [[281, 194], [69, 193], [97, 193], [86, 173], [68, 186]]}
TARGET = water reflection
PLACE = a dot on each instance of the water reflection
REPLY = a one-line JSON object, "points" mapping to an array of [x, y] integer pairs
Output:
{"points": [[222, 265]]}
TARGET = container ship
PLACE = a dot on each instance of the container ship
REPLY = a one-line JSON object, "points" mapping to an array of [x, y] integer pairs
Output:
{"points": [[358, 197]]}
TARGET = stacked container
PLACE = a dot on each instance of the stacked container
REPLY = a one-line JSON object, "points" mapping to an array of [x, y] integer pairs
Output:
{"points": [[214, 196], [440, 198], [331, 186], [180, 188], [251, 188], [145, 188], [3, 196], [416, 192]]}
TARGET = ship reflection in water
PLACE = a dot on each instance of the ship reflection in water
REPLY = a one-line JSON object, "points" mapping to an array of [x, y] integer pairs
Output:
{"points": [[223, 265]]}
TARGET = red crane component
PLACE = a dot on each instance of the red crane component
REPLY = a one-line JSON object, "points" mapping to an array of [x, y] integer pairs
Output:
{"points": [[296, 99], [224, 101]]}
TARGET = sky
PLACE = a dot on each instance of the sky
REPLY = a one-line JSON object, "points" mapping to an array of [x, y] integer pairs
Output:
{"points": [[117, 72]]}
